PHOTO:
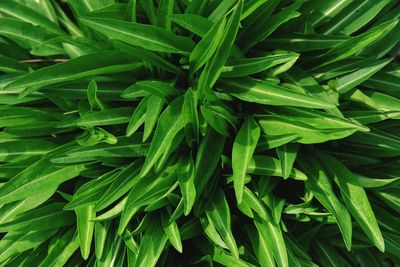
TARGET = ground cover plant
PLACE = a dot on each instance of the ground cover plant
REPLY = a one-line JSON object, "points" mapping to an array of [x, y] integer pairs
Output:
{"points": [[199, 133]]}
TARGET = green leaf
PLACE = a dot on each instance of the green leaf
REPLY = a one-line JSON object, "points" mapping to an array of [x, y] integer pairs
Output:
{"points": [[172, 232], [355, 199], [358, 43], [85, 66], [318, 119], [104, 117], [11, 210], [207, 159], [29, 36], [10, 65], [123, 182], [348, 82], [219, 117], [161, 89], [47, 217], [327, 254], [207, 46], [15, 243], [273, 141], [324, 11], [125, 147], [308, 134], [248, 66], [63, 249], [354, 17], [151, 191], [186, 177], [260, 247], [148, 57], [254, 203], [94, 101], [194, 23], [38, 178], [26, 14], [169, 124], [262, 92], [287, 155], [273, 23], [270, 231], [300, 42], [214, 66], [19, 149], [146, 36], [242, 152], [265, 165], [320, 185], [190, 117], [151, 245], [85, 227], [153, 111], [100, 235], [138, 117], [165, 8], [218, 214]]}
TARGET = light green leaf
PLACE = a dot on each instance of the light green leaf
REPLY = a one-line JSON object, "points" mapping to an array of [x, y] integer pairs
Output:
{"points": [[207, 46], [94, 101], [169, 124], [104, 117], [287, 155], [85, 66], [37, 179], [355, 199], [9, 211], [260, 247], [138, 117], [348, 82], [85, 227], [46, 217], [158, 88], [218, 214], [123, 182], [320, 185], [15, 243], [273, 23], [29, 36], [151, 245], [172, 231], [154, 107], [272, 232], [262, 92], [146, 36], [187, 186], [214, 66], [242, 152], [356, 44], [62, 250], [100, 235], [194, 23], [248, 66], [27, 14], [190, 117], [307, 134], [265, 165]]}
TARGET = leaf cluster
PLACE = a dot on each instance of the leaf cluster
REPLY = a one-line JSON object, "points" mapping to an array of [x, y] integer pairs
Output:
{"points": [[205, 132]]}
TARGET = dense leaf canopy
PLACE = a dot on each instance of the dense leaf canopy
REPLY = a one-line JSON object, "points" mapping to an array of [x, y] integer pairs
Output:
{"points": [[148, 133]]}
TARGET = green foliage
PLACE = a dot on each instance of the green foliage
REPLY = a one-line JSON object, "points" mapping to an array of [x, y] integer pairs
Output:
{"points": [[199, 132]]}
